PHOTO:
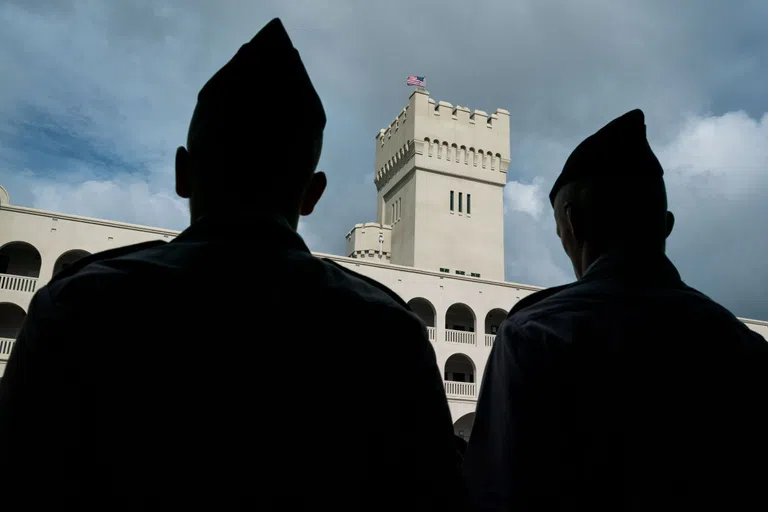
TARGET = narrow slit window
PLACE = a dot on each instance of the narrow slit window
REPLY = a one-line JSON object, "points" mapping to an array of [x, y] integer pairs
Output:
{"points": [[451, 200], [469, 204], [459, 202]]}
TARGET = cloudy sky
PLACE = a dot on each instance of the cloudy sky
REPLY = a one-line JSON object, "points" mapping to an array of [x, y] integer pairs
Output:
{"points": [[95, 96]]}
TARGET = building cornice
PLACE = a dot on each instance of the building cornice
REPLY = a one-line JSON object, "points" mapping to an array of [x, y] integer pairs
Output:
{"points": [[413, 270], [88, 220]]}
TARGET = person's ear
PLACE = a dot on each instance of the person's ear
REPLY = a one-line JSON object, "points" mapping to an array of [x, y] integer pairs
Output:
{"points": [[183, 173], [573, 221], [670, 224], [314, 192]]}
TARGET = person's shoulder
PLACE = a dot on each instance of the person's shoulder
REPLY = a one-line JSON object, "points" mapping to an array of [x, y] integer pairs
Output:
{"points": [[536, 298], [717, 314], [95, 269], [360, 287], [535, 304], [532, 325]]}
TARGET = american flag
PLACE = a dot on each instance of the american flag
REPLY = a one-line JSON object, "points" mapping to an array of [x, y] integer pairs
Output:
{"points": [[418, 81]]}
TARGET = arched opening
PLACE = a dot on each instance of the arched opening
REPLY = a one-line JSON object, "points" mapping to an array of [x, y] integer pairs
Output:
{"points": [[68, 258], [455, 150], [20, 259], [11, 318], [493, 320], [463, 426], [460, 325], [459, 368], [460, 317], [424, 310]]}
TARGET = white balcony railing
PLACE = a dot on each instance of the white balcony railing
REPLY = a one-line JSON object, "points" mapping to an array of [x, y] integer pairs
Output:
{"points": [[6, 344], [18, 283], [489, 339], [464, 390], [432, 331], [461, 337]]}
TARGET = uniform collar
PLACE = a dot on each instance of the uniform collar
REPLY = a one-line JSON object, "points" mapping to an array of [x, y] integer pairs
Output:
{"points": [[261, 228], [655, 267]]}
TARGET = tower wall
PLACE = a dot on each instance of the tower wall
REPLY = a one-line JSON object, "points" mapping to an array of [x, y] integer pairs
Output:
{"points": [[433, 149]]}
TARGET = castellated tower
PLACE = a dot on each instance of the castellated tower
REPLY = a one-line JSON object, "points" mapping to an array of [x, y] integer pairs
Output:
{"points": [[440, 175]]}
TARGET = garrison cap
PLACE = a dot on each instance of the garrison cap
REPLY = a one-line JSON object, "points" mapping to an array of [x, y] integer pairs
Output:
{"points": [[263, 91], [619, 151]]}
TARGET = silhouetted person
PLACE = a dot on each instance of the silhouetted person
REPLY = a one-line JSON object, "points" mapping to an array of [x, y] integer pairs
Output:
{"points": [[231, 364], [627, 389]]}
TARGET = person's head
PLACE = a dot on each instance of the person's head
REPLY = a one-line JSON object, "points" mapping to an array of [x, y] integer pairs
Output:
{"points": [[256, 135], [611, 196]]}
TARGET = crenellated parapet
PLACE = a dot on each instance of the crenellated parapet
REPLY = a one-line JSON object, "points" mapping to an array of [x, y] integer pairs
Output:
{"points": [[436, 135], [390, 169], [370, 240]]}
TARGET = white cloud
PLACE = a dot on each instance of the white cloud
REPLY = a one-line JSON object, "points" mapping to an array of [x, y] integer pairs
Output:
{"points": [[525, 198], [728, 154], [111, 199]]}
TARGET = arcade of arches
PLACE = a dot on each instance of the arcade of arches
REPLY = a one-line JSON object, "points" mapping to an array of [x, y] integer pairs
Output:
{"points": [[24, 260], [458, 317]]}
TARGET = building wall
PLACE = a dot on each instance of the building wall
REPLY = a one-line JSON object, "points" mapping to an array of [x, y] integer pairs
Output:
{"points": [[458, 239], [400, 204], [759, 326]]}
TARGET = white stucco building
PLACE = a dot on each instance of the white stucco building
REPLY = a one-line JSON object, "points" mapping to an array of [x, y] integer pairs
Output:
{"points": [[437, 240]]}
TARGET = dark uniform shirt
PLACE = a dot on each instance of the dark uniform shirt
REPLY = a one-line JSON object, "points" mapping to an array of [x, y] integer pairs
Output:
{"points": [[626, 390], [229, 365]]}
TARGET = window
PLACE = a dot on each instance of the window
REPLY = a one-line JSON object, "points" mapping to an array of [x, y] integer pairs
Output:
{"points": [[445, 270], [396, 210], [460, 272], [474, 274], [459, 202], [469, 205], [451, 200]]}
